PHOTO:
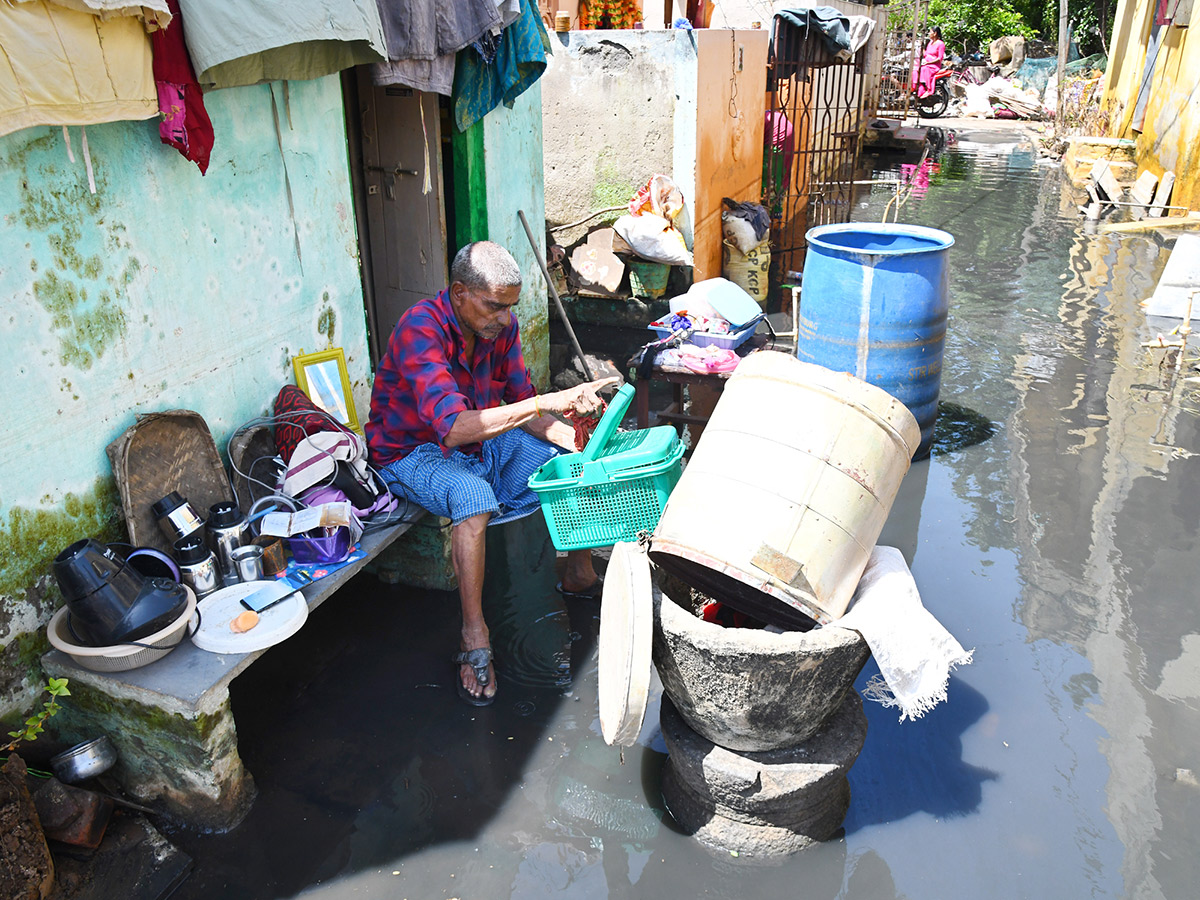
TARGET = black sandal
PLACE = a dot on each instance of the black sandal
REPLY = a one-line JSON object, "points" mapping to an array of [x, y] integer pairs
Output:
{"points": [[478, 659]]}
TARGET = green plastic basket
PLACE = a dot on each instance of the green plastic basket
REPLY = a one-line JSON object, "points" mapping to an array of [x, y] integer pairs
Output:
{"points": [[614, 489]]}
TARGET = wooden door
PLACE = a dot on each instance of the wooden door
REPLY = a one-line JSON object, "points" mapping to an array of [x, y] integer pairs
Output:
{"points": [[401, 178]]}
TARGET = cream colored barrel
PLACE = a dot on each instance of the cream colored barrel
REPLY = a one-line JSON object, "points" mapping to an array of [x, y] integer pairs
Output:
{"points": [[788, 490]]}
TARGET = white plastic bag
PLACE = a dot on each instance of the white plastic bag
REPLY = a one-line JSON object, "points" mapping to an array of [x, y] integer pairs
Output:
{"points": [[739, 232], [659, 196], [654, 238], [977, 102]]}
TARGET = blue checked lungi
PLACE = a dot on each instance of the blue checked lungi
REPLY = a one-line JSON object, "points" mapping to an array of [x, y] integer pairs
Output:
{"points": [[461, 485]]}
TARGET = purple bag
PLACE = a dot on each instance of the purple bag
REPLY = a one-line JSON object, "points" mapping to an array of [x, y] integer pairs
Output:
{"points": [[314, 548]]}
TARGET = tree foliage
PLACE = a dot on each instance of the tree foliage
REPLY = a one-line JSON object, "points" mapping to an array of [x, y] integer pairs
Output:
{"points": [[972, 24]]}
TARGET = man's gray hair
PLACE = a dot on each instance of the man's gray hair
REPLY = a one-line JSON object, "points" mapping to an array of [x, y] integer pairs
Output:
{"points": [[484, 265]]}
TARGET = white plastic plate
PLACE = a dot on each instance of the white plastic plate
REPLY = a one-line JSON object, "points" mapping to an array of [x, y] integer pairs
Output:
{"points": [[276, 624]]}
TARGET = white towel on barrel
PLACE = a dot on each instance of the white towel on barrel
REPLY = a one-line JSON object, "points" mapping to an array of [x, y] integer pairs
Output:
{"points": [[914, 651]]}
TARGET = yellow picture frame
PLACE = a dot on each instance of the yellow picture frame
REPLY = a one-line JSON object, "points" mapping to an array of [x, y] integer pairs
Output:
{"points": [[324, 378]]}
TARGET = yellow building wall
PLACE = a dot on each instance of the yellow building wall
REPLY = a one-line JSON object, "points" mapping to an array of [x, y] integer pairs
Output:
{"points": [[1170, 136]]}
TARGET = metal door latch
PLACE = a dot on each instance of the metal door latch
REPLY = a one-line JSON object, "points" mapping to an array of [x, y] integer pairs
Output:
{"points": [[389, 177]]}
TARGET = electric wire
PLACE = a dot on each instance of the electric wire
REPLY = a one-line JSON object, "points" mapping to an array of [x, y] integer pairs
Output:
{"points": [[372, 524]]}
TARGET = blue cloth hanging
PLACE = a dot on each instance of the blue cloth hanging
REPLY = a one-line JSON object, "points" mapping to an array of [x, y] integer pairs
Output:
{"points": [[519, 61]]}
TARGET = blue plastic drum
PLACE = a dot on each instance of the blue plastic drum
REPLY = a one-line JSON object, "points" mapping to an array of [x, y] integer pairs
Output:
{"points": [[874, 304]]}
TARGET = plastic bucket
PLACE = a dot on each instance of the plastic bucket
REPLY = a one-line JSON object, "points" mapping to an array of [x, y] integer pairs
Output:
{"points": [[874, 304], [787, 491], [648, 279]]}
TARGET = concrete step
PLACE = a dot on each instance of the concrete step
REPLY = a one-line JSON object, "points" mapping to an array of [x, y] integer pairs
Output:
{"points": [[1083, 152]]}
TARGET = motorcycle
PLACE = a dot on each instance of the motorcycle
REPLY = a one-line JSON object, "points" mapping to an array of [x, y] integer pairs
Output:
{"points": [[938, 101]]}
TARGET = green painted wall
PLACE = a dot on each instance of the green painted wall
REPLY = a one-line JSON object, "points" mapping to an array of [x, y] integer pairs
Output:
{"points": [[512, 148], [163, 289]]}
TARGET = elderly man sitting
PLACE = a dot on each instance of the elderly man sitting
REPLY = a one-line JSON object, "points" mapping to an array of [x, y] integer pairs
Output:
{"points": [[457, 427]]}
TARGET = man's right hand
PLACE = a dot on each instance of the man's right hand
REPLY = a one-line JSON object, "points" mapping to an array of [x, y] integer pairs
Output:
{"points": [[582, 400]]}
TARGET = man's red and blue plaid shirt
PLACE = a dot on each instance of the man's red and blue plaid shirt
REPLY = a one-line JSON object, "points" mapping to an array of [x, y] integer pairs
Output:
{"points": [[425, 380]]}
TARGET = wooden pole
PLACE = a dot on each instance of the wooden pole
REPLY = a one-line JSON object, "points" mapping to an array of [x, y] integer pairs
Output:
{"points": [[583, 364], [1064, 38]]}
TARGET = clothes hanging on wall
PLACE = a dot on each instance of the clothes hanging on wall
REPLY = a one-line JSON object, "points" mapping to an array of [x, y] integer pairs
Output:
{"points": [[185, 124], [66, 67], [807, 38], [422, 39], [520, 59], [234, 43]]}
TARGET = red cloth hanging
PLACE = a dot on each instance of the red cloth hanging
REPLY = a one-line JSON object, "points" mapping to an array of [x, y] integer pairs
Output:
{"points": [[185, 124]]}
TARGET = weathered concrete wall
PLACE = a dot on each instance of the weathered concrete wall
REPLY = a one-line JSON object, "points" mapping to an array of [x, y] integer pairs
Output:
{"points": [[608, 103], [620, 106], [163, 289], [512, 146], [1170, 135]]}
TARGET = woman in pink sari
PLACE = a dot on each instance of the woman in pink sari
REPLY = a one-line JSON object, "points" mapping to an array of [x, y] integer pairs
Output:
{"points": [[931, 62]]}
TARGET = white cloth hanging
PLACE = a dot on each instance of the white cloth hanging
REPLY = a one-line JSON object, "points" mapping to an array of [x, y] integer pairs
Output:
{"points": [[915, 653]]}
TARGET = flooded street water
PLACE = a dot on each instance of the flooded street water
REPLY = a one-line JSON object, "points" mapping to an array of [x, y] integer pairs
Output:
{"points": [[1063, 549]]}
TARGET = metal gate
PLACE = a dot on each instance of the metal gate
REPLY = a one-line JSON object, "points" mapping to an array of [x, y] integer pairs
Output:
{"points": [[902, 43], [812, 140]]}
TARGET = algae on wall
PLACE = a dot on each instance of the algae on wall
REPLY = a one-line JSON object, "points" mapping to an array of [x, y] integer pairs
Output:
{"points": [[163, 289], [30, 538]]}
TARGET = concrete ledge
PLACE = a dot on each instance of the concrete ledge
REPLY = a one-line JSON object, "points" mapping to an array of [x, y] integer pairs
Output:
{"points": [[421, 560], [171, 721]]}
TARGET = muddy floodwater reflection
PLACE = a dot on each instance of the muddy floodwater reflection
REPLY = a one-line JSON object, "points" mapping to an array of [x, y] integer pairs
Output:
{"points": [[1061, 545]]}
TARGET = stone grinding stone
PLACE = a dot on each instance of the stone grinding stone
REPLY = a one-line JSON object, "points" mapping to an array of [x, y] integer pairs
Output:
{"points": [[768, 803], [727, 835], [749, 689]]}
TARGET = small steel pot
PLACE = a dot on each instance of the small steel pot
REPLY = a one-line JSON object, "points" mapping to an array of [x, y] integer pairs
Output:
{"points": [[83, 761]]}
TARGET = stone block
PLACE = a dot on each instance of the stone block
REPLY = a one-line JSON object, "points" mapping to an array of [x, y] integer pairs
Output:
{"points": [[763, 804], [1162, 196], [178, 759], [750, 689], [1110, 148], [1143, 189], [1103, 177], [727, 835], [419, 558]]}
